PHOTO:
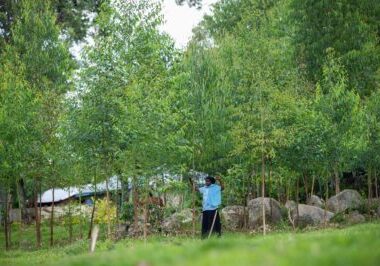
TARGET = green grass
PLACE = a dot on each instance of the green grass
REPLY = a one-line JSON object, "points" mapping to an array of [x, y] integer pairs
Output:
{"points": [[356, 245]]}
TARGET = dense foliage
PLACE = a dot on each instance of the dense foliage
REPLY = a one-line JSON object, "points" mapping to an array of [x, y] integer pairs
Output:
{"points": [[268, 94]]}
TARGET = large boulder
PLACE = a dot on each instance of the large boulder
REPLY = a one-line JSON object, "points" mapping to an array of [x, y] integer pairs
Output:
{"points": [[309, 215], [347, 199], [315, 201], [178, 221], [354, 218], [255, 211], [233, 217]]}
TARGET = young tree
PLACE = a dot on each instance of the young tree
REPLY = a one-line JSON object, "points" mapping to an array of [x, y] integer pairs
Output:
{"points": [[341, 109], [44, 65], [124, 113]]}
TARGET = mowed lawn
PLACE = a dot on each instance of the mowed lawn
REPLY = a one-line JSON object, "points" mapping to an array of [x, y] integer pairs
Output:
{"points": [[355, 245]]}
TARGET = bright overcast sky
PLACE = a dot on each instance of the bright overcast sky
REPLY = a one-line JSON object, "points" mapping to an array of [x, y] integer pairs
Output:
{"points": [[180, 20]]}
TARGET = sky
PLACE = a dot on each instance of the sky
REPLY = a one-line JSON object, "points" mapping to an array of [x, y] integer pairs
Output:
{"points": [[180, 20]]}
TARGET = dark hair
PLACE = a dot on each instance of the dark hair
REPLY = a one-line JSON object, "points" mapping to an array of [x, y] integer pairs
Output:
{"points": [[212, 179]]}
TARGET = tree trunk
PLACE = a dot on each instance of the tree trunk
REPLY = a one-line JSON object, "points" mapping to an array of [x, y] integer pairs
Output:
{"points": [[337, 180], [135, 204], [297, 197], [10, 222], [145, 229], [37, 214], [287, 191], [22, 199], [326, 198], [40, 195], [312, 185], [70, 220], [270, 188], [6, 221], [52, 222], [108, 210], [248, 197], [93, 208], [376, 186], [263, 190], [118, 205], [193, 209], [81, 215], [369, 183], [304, 176]]}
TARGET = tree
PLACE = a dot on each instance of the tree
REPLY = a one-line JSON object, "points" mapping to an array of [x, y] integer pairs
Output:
{"points": [[351, 28], [72, 16], [42, 62], [124, 113], [342, 111]]}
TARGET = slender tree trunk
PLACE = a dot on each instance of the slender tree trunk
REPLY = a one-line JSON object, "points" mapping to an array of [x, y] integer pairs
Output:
{"points": [[81, 215], [40, 196], [337, 180], [118, 205], [165, 196], [304, 176], [145, 222], [108, 212], [287, 190], [326, 198], [248, 197], [22, 199], [193, 209], [376, 185], [93, 207], [369, 183], [270, 188], [135, 204], [263, 190], [37, 214], [6, 221], [145, 213], [193, 197], [312, 185], [70, 220], [10, 222], [297, 197], [52, 222]]}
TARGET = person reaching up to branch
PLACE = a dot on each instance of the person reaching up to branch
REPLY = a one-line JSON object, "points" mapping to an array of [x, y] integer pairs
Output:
{"points": [[211, 200]]}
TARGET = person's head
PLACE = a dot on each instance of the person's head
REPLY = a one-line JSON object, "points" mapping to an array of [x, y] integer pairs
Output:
{"points": [[209, 180]]}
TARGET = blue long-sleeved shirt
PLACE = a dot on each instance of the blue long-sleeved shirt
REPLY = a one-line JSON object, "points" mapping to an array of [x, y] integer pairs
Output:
{"points": [[212, 197]]}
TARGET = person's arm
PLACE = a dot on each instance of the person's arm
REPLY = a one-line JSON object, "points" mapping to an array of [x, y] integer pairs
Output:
{"points": [[219, 180]]}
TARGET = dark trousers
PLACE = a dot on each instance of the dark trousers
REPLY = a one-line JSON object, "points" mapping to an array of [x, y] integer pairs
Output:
{"points": [[207, 219]]}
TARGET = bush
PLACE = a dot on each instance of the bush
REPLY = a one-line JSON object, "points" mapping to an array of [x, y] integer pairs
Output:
{"points": [[103, 210]]}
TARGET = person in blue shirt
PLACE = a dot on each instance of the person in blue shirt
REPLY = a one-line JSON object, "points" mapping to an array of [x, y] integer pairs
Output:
{"points": [[211, 200]]}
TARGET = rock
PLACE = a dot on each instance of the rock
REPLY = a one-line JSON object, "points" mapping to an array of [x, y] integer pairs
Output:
{"points": [[309, 215], [290, 204], [316, 201], [347, 199], [233, 217], [139, 229], [121, 231], [355, 217], [255, 211], [178, 221]]}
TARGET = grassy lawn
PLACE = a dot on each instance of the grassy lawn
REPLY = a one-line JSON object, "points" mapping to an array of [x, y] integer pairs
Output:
{"points": [[356, 245]]}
